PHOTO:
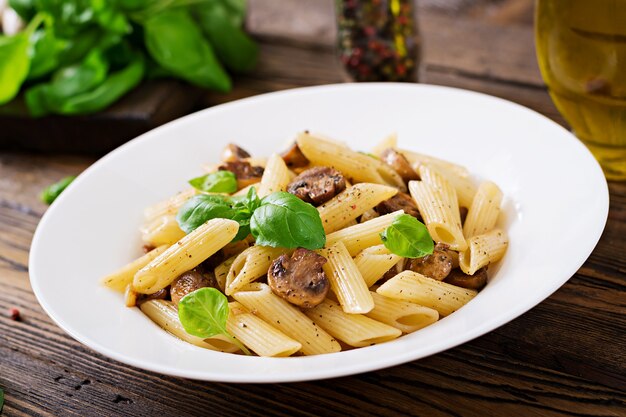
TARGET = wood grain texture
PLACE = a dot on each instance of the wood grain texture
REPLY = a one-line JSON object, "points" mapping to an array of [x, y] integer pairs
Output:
{"points": [[565, 357]]}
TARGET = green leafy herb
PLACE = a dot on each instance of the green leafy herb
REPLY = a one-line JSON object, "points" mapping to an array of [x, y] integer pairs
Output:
{"points": [[50, 193], [216, 182], [407, 237], [283, 220], [202, 208], [232, 45], [15, 60], [176, 43], [204, 312]]}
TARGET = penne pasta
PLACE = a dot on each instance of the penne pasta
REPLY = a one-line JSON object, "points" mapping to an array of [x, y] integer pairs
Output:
{"points": [[351, 203], [363, 235], [165, 314], [353, 329], [464, 187], [221, 272], [257, 335], [260, 300], [374, 262], [416, 288], [184, 255], [484, 210], [403, 315], [390, 141], [162, 231], [440, 210], [346, 280], [355, 165], [275, 177], [417, 159], [249, 265], [121, 278], [483, 250]]}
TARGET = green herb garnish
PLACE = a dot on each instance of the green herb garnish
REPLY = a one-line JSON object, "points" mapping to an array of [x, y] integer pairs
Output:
{"points": [[204, 312], [1, 399], [50, 193], [278, 220], [408, 237], [216, 182], [283, 220]]}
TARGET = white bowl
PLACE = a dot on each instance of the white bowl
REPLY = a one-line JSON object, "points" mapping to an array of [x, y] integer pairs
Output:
{"points": [[556, 205]]}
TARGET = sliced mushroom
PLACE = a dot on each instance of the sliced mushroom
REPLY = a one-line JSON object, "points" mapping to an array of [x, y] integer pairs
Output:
{"points": [[436, 265], [232, 153], [294, 158], [317, 185], [246, 174], [400, 201], [189, 282], [159, 295], [472, 282], [399, 163], [299, 279]]}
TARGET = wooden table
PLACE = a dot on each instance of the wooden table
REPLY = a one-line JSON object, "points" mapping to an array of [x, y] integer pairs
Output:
{"points": [[566, 357]]}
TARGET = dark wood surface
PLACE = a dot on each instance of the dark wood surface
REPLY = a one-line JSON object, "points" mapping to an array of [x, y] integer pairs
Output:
{"points": [[565, 357]]}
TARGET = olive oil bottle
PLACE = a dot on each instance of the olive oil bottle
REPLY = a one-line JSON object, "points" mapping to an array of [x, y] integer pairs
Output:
{"points": [[581, 48]]}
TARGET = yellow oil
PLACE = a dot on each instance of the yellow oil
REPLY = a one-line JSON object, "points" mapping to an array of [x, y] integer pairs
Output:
{"points": [[581, 48]]}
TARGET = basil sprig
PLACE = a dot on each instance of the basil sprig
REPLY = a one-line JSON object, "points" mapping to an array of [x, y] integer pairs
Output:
{"points": [[204, 312], [51, 192], [216, 182], [278, 220], [407, 237]]}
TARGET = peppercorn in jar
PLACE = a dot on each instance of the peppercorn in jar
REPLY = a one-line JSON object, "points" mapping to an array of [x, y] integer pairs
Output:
{"points": [[378, 39]]}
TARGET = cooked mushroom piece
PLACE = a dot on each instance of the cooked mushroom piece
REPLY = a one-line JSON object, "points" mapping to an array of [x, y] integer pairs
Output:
{"points": [[159, 295], [399, 163], [472, 282], [436, 265], [246, 174], [189, 282], [232, 153], [400, 201], [294, 158], [299, 279], [317, 185]]}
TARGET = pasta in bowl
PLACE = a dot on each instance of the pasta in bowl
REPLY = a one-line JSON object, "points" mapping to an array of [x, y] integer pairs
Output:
{"points": [[315, 250]]}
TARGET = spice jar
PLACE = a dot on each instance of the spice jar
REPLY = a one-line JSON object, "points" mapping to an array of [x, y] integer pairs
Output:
{"points": [[378, 39]]}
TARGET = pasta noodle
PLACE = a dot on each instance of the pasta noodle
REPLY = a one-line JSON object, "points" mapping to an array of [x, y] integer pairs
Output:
{"points": [[374, 262], [483, 213], [259, 299], [441, 213], [483, 250], [353, 329], [169, 206], [363, 235], [351, 203], [403, 315], [275, 177], [464, 187], [249, 265], [257, 335], [184, 255], [416, 288], [120, 279], [162, 231], [346, 280]]}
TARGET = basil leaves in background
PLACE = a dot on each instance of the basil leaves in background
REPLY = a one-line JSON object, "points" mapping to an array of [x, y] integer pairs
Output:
{"points": [[109, 47], [407, 237], [204, 312], [216, 182], [278, 220], [50, 193], [285, 221]]}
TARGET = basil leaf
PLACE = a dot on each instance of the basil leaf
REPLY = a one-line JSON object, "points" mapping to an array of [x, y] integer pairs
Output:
{"points": [[216, 182], [203, 313], [407, 237], [202, 208], [283, 220], [50, 193]]}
